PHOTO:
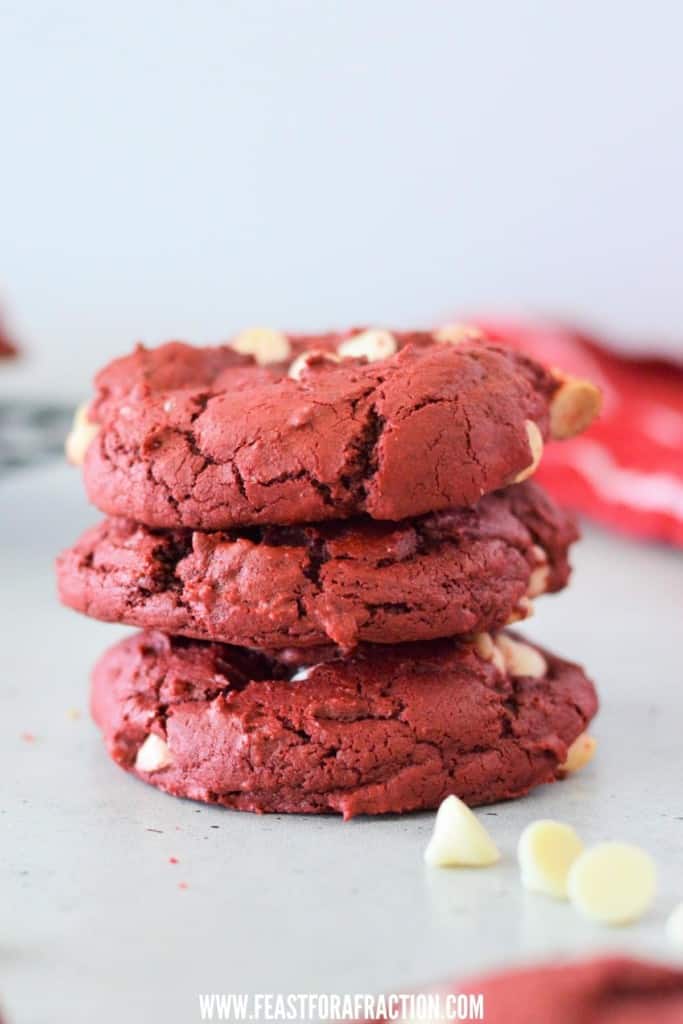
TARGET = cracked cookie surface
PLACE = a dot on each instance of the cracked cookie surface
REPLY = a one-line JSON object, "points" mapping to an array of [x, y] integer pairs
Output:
{"points": [[210, 439], [390, 729], [460, 571]]}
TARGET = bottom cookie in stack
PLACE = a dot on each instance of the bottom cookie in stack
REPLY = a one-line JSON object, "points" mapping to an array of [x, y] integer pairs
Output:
{"points": [[388, 729]]}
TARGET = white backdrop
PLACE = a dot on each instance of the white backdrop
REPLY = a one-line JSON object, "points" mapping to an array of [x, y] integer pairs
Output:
{"points": [[187, 168]]}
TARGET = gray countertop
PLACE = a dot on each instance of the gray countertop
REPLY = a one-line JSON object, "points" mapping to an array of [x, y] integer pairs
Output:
{"points": [[94, 923]]}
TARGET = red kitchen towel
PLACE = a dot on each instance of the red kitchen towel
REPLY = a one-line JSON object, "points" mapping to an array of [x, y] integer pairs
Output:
{"points": [[627, 470]]}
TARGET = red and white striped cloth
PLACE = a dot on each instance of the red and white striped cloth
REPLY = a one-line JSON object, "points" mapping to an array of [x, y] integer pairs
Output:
{"points": [[626, 471]]}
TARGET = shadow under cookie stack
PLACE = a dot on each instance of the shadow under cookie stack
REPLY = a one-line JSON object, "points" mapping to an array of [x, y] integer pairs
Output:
{"points": [[323, 540]]}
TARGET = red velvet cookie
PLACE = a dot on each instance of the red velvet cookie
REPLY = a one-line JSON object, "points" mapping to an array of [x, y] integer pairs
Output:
{"points": [[387, 425], [443, 574], [604, 990], [389, 729]]}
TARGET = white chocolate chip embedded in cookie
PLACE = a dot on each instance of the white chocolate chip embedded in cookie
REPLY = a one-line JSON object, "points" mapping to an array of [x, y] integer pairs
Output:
{"points": [[521, 659], [459, 839], [523, 610], [487, 651], [82, 432], [580, 753], [302, 673], [264, 344], [454, 334], [538, 580], [574, 405], [546, 851], [314, 357], [153, 755], [613, 883], [535, 440], [372, 345]]}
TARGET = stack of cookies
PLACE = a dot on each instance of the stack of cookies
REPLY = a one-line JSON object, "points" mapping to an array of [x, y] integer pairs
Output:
{"points": [[322, 540]]}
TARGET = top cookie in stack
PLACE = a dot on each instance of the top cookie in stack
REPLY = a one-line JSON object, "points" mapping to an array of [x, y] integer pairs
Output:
{"points": [[274, 430], [304, 496]]}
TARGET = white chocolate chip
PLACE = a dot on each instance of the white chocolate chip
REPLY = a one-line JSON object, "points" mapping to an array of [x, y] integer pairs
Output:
{"points": [[302, 673], [613, 883], [82, 432], [540, 557], [521, 659], [153, 755], [524, 610], [487, 651], [264, 344], [574, 406], [580, 753], [373, 345], [311, 358], [459, 839], [674, 926], [546, 851], [454, 334], [535, 440], [538, 579]]}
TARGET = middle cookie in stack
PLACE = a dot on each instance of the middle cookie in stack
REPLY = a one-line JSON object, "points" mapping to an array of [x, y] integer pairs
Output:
{"points": [[328, 684]]}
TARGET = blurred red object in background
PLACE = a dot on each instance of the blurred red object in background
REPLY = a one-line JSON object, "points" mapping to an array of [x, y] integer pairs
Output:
{"points": [[626, 471], [7, 347]]}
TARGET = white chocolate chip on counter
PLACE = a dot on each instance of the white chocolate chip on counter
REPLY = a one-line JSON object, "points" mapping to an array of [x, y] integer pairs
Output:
{"points": [[521, 659], [546, 851], [373, 344], [82, 432], [454, 334], [264, 344], [459, 839], [674, 926], [574, 406], [153, 755], [487, 651], [613, 883], [313, 357], [580, 753], [535, 440]]}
